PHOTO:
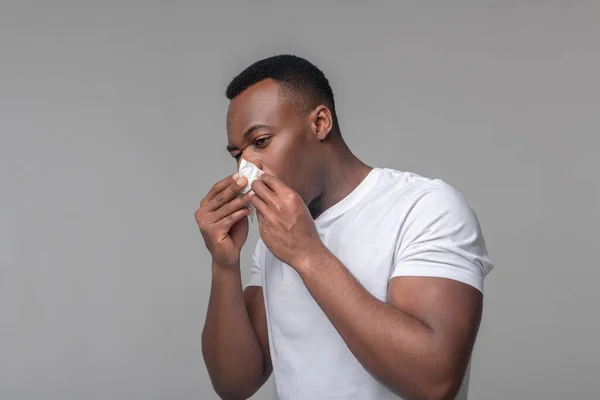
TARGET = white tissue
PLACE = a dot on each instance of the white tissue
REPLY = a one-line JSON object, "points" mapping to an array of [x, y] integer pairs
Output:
{"points": [[252, 173]]}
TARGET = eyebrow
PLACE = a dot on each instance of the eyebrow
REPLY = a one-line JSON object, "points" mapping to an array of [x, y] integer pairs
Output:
{"points": [[248, 132]]}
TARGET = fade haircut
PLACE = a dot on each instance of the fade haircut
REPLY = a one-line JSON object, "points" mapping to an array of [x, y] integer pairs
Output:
{"points": [[300, 81]]}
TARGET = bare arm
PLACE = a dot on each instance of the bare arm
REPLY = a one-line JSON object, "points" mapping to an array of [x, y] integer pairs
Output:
{"points": [[419, 343], [234, 340], [255, 304]]}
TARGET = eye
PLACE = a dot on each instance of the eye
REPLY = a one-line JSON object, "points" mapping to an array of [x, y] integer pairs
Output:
{"points": [[261, 141]]}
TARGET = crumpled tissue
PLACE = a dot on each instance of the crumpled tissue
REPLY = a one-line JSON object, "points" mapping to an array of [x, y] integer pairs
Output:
{"points": [[252, 173]]}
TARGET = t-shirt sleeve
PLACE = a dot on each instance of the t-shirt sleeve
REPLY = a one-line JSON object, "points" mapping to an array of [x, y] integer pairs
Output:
{"points": [[441, 237], [257, 263]]}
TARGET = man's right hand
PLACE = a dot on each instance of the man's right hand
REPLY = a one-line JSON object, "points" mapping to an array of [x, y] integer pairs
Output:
{"points": [[222, 220]]}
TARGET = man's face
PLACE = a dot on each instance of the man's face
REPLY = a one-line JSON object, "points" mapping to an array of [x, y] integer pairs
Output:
{"points": [[268, 131]]}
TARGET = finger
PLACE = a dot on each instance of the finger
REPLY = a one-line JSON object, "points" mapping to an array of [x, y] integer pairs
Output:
{"points": [[261, 207], [264, 192], [227, 222], [274, 183], [227, 194], [231, 207], [219, 187]]}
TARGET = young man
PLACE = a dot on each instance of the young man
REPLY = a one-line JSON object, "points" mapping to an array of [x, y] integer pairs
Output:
{"points": [[366, 282]]}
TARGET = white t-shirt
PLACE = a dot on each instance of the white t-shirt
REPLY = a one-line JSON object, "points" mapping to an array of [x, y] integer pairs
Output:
{"points": [[393, 224]]}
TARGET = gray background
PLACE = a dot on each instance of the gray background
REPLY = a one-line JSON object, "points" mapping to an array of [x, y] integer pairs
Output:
{"points": [[112, 123]]}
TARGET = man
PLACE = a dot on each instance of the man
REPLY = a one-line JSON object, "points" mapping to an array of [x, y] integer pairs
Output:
{"points": [[366, 282]]}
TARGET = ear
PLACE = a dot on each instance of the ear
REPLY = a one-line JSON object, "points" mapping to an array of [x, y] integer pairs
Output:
{"points": [[322, 121]]}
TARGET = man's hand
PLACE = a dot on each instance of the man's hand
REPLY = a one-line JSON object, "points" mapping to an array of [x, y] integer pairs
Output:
{"points": [[285, 224], [222, 220]]}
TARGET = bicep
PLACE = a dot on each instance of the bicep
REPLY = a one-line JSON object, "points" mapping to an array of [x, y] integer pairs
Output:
{"points": [[255, 306], [451, 309]]}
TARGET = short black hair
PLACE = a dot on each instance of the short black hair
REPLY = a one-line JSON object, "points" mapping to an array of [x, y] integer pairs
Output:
{"points": [[301, 81]]}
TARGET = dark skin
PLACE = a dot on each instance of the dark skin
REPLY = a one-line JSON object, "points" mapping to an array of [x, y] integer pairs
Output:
{"points": [[418, 343]]}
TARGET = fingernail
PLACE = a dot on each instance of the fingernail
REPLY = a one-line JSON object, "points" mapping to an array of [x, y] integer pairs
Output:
{"points": [[235, 176], [240, 181], [251, 193]]}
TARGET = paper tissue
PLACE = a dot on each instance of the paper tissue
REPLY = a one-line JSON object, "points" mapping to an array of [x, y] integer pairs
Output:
{"points": [[251, 172]]}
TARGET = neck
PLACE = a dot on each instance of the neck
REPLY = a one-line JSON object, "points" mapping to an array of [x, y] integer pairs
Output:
{"points": [[342, 174]]}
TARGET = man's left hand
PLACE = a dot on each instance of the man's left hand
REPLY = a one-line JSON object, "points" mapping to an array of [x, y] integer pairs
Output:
{"points": [[285, 224]]}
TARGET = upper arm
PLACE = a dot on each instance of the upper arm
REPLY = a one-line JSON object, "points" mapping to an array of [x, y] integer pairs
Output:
{"points": [[255, 306], [440, 265], [451, 309]]}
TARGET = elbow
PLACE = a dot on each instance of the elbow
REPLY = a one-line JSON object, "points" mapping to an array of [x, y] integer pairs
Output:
{"points": [[227, 395], [439, 389], [447, 391], [228, 392], [229, 387], [442, 390]]}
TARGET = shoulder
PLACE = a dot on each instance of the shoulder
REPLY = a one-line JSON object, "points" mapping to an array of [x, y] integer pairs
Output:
{"points": [[440, 235], [422, 195], [429, 209]]}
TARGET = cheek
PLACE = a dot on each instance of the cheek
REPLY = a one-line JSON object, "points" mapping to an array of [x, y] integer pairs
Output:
{"points": [[287, 157], [281, 157]]}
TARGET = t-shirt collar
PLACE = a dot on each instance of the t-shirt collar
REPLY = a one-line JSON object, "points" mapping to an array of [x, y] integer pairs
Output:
{"points": [[353, 198]]}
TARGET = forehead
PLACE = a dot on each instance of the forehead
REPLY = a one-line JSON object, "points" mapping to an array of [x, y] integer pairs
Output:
{"points": [[262, 103]]}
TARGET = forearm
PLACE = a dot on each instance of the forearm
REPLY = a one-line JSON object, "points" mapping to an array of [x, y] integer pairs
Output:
{"points": [[400, 350], [230, 347]]}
